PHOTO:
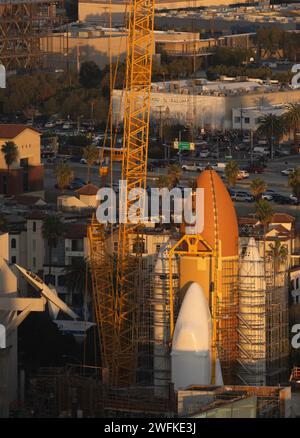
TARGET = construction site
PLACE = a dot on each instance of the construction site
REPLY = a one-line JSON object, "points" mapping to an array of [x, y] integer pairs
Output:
{"points": [[190, 323]]}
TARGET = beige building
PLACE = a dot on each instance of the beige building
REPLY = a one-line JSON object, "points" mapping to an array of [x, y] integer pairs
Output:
{"points": [[206, 104], [84, 41], [26, 173]]}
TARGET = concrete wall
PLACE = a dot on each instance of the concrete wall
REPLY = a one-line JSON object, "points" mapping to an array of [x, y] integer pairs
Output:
{"points": [[35, 245], [210, 111]]}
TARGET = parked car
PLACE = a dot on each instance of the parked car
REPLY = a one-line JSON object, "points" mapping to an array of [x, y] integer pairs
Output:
{"points": [[243, 174], [192, 167], [204, 154], [77, 183], [283, 199], [267, 196], [280, 153], [242, 197], [287, 172], [50, 124]]}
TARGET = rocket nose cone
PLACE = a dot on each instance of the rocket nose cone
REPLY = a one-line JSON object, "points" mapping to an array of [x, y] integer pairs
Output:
{"points": [[220, 219], [193, 326]]}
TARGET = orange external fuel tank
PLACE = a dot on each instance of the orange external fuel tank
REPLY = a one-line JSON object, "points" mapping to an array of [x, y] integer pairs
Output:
{"points": [[218, 274]]}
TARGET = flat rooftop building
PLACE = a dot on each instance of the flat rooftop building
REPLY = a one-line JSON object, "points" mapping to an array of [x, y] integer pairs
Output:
{"points": [[209, 104]]}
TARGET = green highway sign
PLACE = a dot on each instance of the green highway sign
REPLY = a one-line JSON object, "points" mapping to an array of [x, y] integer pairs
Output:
{"points": [[184, 145]]}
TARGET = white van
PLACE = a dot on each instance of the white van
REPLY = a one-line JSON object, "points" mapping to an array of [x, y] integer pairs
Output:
{"points": [[261, 150]]}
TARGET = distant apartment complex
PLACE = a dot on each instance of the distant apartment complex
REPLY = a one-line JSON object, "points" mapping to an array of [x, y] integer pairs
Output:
{"points": [[26, 174]]}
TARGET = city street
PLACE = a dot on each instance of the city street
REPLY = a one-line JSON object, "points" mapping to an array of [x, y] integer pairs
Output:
{"points": [[272, 176]]}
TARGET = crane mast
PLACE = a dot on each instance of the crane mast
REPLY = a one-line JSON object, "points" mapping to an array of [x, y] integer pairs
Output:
{"points": [[116, 305], [134, 173]]}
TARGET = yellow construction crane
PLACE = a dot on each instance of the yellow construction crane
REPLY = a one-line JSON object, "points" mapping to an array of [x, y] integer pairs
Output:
{"points": [[116, 306]]}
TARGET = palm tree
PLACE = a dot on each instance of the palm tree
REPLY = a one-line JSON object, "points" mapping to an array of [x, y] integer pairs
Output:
{"points": [[163, 181], [52, 231], [231, 172], [264, 212], [279, 254], [258, 187], [64, 175], [292, 120], [78, 277], [90, 154], [272, 127], [10, 151], [174, 174], [294, 182]]}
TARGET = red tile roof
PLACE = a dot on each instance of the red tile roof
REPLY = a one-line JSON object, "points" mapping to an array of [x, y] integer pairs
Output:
{"points": [[13, 129], [36, 215], [282, 218], [27, 200], [88, 190], [247, 221], [75, 231]]}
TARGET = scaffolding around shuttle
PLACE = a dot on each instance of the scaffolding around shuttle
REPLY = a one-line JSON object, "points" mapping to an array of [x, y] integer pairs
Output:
{"points": [[263, 346]]}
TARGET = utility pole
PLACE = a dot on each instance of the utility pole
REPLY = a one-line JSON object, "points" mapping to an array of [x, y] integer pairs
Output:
{"points": [[251, 145]]}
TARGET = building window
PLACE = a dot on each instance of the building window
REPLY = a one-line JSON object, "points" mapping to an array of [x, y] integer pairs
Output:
{"points": [[77, 245], [61, 280], [237, 120], [116, 246], [247, 120], [13, 243], [24, 162], [13, 259], [34, 262], [34, 227], [33, 245]]}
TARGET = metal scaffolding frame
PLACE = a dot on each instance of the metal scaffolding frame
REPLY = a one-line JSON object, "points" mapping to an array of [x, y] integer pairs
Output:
{"points": [[26, 28], [263, 346]]}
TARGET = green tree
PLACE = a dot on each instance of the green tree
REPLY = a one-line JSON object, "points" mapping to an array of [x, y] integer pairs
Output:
{"points": [[163, 181], [258, 187], [174, 174], [272, 127], [278, 254], [90, 154], [264, 213], [231, 172], [294, 182], [292, 120], [64, 175], [89, 75], [10, 152], [52, 231], [78, 277]]}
